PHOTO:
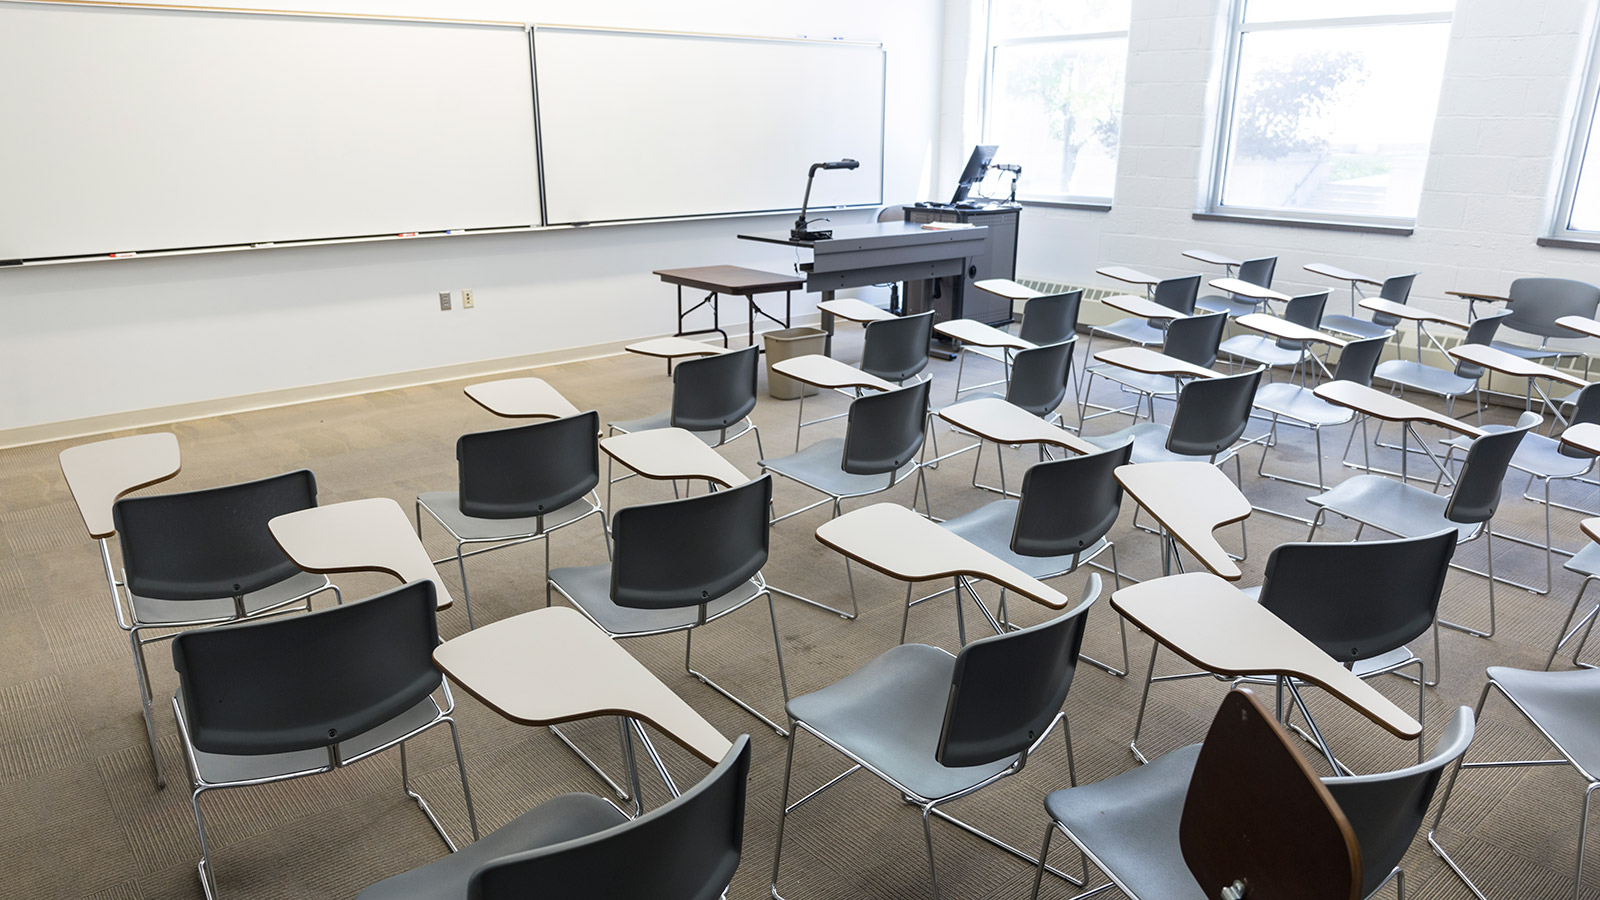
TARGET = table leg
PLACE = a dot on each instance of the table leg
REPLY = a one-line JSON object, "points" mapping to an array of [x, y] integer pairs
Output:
{"points": [[827, 325]]}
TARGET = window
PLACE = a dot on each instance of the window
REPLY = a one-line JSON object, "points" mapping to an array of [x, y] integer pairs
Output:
{"points": [[1329, 118], [1054, 98], [1578, 210]]}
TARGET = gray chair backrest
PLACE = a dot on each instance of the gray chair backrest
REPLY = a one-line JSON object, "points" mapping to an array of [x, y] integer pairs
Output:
{"points": [[1386, 809], [1536, 304], [1477, 490], [1039, 377], [1258, 271], [1195, 339], [1362, 599], [1305, 311], [896, 349], [1358, 359], [714, 392], [892, 213], [529, 470], [1052, 318], [210, 543], [686, 849], [1178, 293], [1068, 505], [1398, 289], [1481, 331], [687, 552], [884, 430], [305, 682], [1587, 411], [1212, 413], [1007, 689]]}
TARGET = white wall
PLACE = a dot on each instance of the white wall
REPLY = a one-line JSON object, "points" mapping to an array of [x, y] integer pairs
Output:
{"points": [[1500, 140], [101, 338]]}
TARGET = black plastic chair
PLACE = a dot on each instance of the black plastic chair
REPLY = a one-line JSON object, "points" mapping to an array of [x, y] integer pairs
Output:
{"points": [[518, 485], [267, 701], [938, 727], [678, 565], [1059, 522], [1177, 294], [1038, 384], [1305, 311], [1212, 414], [1255, 271], [1046, 319], [1396, 288], [580, 847], [1195, 340], [1299, 405], [205, 557], [896, 349]]}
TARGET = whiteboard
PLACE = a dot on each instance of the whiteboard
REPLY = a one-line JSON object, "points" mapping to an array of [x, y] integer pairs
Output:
{"points": [[641, 125], [140, 129]]}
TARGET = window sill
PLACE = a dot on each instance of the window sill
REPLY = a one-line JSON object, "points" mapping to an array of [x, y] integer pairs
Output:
{"points": [[1570, 243], [1363, 227], [1089, 205]]}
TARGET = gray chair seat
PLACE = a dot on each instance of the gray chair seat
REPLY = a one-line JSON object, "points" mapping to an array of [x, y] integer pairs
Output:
{"points": [[446, 507], [1233, 306], [562, 818], [1262, 350], [1299, 403], [150, 611], [1565, 705], [223, 768], [819, 466], [1537, 455], [1143, 382], [1359, 328], [1539, 353], [589, 589], [1129, 824], [1391, 506], [1585, 562], [664, 420], [990, 527], [889, 713], [1136, 331], [1413, 374], [1149, 444]]}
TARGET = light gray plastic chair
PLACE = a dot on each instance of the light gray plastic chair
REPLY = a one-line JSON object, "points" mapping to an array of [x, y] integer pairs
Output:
{"points": [[1194, 340], [1305, 311], [1536, 304], [1038, 385], [1046, 319], [1565, 708], [1255, 271], [939, 727], [1178, 294], [1128, 824], [1211, 416], [1445, 383], [1585, 562], [1406, 510]]}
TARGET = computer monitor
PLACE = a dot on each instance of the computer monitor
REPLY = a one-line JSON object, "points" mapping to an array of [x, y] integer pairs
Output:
{"points": [[977, 165]]}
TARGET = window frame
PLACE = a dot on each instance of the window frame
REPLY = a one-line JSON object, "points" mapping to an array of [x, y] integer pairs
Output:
{"points": [[1222, 135], [1561, 233], [1066, 201]]}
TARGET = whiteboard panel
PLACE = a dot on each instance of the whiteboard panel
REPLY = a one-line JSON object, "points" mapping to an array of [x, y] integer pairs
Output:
{"points": [[638, 125], [134, 129]]}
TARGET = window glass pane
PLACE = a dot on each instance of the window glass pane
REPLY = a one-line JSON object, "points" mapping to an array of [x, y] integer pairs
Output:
{"points": [[1586, 198], [1334, 126], [1037, 18], [1055, 109], [1300, 10]]}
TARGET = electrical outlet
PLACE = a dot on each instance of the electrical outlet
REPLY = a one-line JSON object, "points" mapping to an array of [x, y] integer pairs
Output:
{"points": [[466, 298], [444, 301]]}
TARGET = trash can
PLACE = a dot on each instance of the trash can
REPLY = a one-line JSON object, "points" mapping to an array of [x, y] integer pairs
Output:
{"points": [[785, 344]]}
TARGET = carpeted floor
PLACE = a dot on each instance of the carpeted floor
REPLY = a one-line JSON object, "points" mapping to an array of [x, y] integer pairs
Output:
{"points": [[81, 816]]}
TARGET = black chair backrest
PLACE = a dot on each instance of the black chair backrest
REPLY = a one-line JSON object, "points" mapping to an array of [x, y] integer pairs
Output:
{"points": [[1362, 599], [1305, 311], [1477, 491], [1481, 331], [686, 849], [1052, 318], [884, 430], [1178, 293], [1069, 504], [201, 545], [1358, 359], [1536, 304], [1007, 689], [1195, 339], [714, 392], [896, 349], [1212, 413], [1386, 809], [1588, 410], [687, 552], [1258, 271], [1397, 289], [529, 470], [1039, 377], [302, 682]]}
